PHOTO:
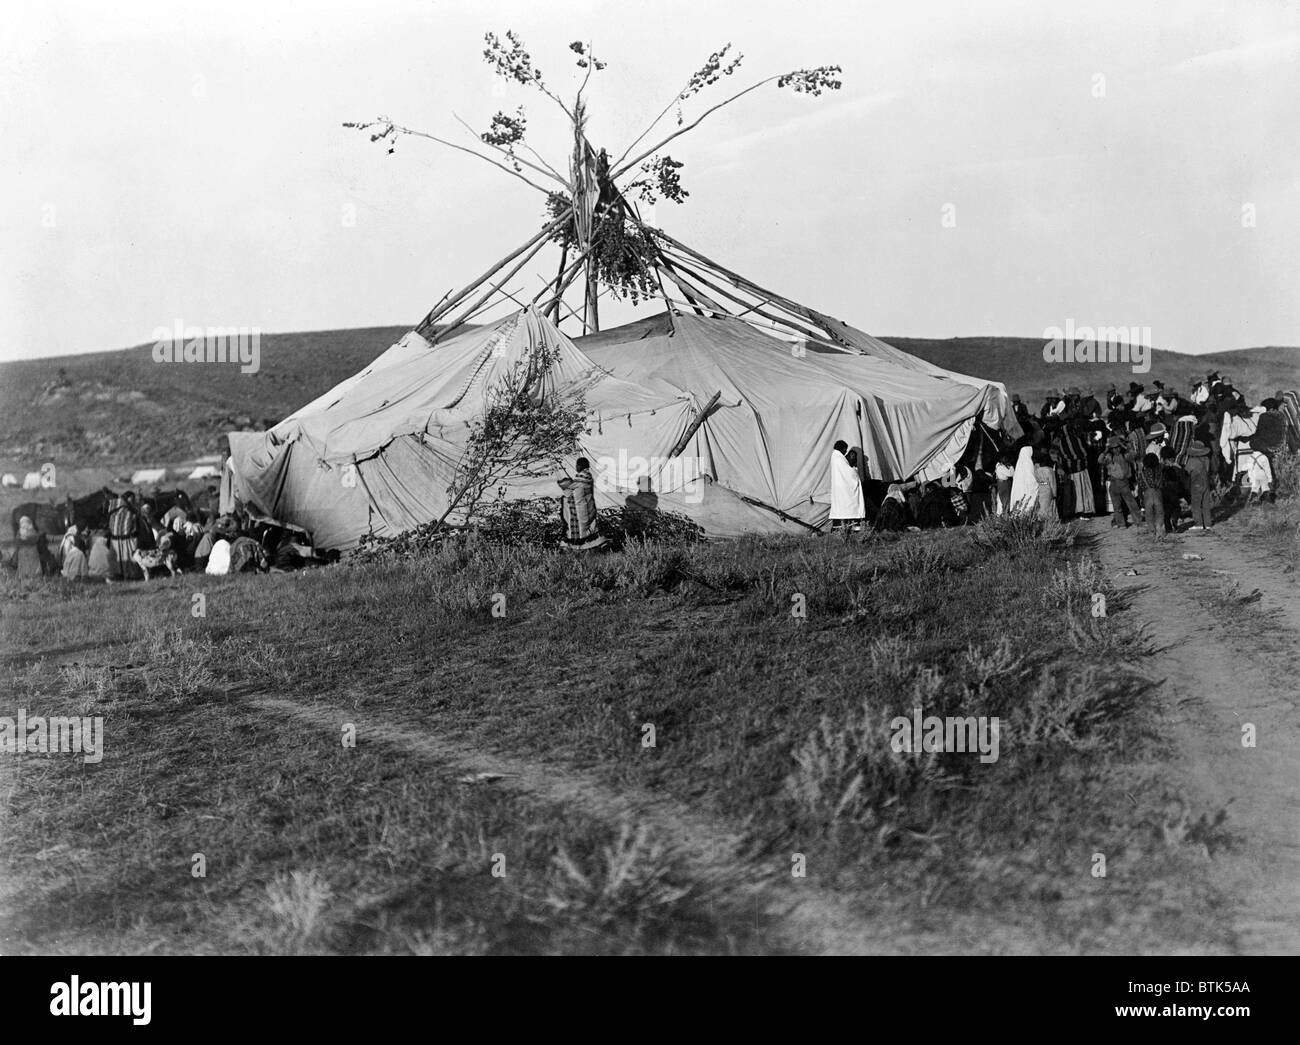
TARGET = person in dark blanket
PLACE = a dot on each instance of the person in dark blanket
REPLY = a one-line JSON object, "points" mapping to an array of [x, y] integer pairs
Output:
{"points": [[1199, 483]]}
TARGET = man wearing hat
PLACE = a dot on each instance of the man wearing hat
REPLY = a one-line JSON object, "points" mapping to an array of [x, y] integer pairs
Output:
{"points": [[1072, 396], [1020, 410], [1156, 438], [1117, 467], [1088, 405]]}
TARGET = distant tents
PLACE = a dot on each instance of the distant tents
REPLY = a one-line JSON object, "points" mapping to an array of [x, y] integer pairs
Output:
{"points": [[703, 415], [146, 476]]}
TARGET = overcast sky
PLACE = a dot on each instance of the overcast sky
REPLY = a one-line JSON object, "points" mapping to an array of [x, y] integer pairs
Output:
{"points": [[185, 160]]}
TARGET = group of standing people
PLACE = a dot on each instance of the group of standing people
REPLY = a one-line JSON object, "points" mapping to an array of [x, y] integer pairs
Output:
{"points": [[1139, 458], [1147, 455]]}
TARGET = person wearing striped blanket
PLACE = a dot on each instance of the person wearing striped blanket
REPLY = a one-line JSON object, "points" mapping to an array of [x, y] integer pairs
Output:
{"points": [[578, 508], [1071, 454]]}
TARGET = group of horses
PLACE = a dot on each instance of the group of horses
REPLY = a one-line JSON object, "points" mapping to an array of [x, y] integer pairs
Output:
{"points": [[92, 511]]}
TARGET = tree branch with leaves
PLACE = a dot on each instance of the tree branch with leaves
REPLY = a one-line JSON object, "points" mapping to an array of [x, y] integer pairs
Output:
{"points": [[526, 430]]}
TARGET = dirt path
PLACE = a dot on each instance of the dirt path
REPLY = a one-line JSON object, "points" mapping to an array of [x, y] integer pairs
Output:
{"points": [[809, 918], [1225, 668]]}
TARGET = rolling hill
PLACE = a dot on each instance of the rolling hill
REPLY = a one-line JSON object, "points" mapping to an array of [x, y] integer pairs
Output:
{"points": [[123, 407]]}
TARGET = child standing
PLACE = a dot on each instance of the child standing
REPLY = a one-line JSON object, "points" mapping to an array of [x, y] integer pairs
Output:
{"points": [[1045, 475], [1119, 483], [1153, 495]]}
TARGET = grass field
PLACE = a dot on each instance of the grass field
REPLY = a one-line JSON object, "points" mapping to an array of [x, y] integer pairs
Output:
{"points": [[673, 745]]}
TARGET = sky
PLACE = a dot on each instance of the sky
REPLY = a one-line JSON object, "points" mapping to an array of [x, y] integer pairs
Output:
{"points": [[986, 169]]}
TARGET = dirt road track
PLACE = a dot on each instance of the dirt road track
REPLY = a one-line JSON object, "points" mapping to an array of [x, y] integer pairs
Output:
{"points": [[1222, 671]]}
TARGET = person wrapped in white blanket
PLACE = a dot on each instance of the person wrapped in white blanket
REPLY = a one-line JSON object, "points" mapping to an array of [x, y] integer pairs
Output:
{"points": [[847, 506]]}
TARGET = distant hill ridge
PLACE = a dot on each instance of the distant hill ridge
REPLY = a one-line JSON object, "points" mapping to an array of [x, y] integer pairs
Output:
{"points": [[122, 406]]}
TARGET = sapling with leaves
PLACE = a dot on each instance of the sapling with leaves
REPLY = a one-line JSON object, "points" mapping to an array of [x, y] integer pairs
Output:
{"points": [[526, 430]]}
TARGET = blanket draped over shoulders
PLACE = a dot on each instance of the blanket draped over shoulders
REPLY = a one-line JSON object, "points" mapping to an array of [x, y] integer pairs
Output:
{"points": [[578, 507]]}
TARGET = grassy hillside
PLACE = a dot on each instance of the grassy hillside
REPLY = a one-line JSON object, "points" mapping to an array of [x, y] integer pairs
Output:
{"points": [[123, 407], [1018, 363]]}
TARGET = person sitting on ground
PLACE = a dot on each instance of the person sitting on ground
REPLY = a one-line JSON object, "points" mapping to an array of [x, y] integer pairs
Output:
{"points": [[102, 563], [75, 565], [293, 552], [248, 556], [202, 547], [69, 539], [31, 556], [847, 508], [936, 508], [171, 515], [958, 491], [893, 511], [578, 508], [217, 563]]}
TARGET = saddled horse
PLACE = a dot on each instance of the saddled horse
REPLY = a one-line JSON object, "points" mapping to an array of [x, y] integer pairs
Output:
{"points": [[92, 510], [50, 519]]}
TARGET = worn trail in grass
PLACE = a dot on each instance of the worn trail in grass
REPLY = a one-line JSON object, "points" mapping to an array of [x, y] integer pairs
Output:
{"points": [[1229, 658], [805, 916]]}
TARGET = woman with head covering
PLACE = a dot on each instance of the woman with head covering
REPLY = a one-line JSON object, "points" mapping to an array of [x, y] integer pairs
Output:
{"points": [[102, 564], [893, 510], [31, 555], [219, 559], [1045, 477], [69, 539], [123, 525], [75, 565], [1024, 485]]}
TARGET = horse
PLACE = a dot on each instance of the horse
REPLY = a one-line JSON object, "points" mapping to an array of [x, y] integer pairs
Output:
{"points": [[92, 510], [50, 519], [161, 502]]}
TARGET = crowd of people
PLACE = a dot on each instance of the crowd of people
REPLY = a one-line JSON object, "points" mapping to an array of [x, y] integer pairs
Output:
{"points": [[140, 541], [1146, 457]]}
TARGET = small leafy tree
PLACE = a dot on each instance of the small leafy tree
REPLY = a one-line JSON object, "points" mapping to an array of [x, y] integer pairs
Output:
{"points": [[525, 431]]}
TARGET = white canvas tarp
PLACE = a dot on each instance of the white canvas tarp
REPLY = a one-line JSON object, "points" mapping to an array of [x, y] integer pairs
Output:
{"points": [[378, 452]]}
